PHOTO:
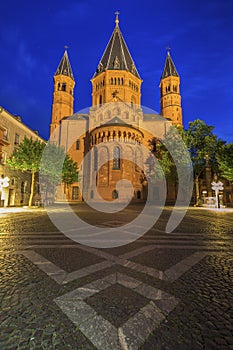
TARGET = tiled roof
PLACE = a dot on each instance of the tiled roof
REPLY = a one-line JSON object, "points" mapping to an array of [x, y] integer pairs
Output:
{"points": [[64, 66], [169, 68], [116, 55]]}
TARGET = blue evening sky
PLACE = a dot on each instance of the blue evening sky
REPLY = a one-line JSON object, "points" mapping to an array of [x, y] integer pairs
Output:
{"points": [[199, 32]]}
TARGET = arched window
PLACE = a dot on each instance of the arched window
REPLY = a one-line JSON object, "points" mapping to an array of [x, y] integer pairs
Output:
{"points": [[22, 187], [101, 100], [116, 158], [95, 159], [122, 81], [63, 87], [115, 81], [115, 194], [119, 81], [111, 81], [59, 86]]}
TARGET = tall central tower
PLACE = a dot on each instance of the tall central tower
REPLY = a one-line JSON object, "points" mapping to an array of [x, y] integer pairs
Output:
{"points": [[116, 75]]}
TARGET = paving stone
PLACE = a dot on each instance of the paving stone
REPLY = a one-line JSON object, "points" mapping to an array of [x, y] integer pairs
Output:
{"points": [[193, 310], [151, 292], [127, 281], [100, 332], [77, 311], [117, 304]]}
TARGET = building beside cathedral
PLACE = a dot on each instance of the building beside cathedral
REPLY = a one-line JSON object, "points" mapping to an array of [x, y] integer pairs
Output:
{"points": [[115, 127], [16, 191]]}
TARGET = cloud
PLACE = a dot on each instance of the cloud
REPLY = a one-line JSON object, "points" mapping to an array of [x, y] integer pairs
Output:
{"points": [[26, 61], [15, 44], [73, 11]]}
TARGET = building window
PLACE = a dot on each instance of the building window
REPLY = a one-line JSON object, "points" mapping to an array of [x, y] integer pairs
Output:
{"points": [[16, 139], [95, 159], [3, 158], [116, 158], [75, 192], [23, 186], [5, 134], [63, 87], [77, 145], [115, 194]]}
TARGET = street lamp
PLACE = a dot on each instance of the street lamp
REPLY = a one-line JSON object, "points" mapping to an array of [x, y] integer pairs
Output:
{"points": [[217, 186], [4, 183]]}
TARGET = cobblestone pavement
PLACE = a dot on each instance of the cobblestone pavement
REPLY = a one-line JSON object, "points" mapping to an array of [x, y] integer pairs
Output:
{"points": [[163, 291]]}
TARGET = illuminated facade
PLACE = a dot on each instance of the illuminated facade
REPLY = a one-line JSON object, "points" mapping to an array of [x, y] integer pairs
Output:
{"points": [[116, 130]]}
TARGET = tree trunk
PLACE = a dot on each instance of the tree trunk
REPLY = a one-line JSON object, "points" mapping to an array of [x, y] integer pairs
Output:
{"points": [[197, 189], [32, 189]]}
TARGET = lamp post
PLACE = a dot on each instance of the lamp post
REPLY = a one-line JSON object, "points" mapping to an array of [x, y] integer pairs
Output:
{"points": [[4, 183], [217, 186]]}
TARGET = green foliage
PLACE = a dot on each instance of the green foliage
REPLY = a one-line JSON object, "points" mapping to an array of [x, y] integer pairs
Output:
{"points": [[172, 155], [69, 171], [225, 161], [27, 156], [57, 166], [54, 164], [203, 145]]}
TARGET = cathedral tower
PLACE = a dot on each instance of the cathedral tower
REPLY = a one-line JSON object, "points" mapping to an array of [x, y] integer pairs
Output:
{"points": [[63, 100], [116, 77], [170, 98]]}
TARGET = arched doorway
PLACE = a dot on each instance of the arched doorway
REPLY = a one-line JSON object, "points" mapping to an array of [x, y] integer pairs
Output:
{"points": [[115, 194]]}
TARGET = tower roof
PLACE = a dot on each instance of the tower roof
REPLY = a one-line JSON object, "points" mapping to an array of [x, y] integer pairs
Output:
{"points": [[116, 55], [64, 66], [169, 68]]}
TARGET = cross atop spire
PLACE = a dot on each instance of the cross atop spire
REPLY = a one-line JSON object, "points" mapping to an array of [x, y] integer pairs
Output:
{"points": [[117, 18]]}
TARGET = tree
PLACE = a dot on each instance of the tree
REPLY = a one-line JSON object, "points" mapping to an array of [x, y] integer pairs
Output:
{"points": [[174, 160], [225, 161], [57, 167], [27, 157], [69, 172], [204, 147]]}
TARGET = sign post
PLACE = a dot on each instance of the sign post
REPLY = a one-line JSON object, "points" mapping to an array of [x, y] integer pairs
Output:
{"points": [[217, 186]]}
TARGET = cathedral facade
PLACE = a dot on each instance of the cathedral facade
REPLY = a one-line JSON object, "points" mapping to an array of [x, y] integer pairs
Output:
{"points": [[110, 141]]}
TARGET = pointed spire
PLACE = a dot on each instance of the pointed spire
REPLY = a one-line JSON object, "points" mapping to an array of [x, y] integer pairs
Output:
{"points": [[169, 67], [64, 66], [116, 54]]}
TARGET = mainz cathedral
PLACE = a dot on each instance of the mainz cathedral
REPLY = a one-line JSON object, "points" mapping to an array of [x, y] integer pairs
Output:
{"points": [[108, 141]]}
